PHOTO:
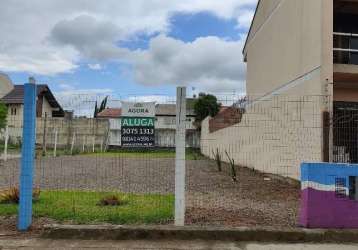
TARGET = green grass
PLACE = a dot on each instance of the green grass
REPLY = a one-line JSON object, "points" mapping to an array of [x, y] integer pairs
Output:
{"points": [[81, 207], [191, 154], [10, 148]]}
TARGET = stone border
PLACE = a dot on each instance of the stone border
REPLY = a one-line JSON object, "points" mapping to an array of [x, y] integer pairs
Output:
{"points": [[108, 232]]}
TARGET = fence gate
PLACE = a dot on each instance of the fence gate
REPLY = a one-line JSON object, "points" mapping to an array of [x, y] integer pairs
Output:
{"points": [[345, 132]]}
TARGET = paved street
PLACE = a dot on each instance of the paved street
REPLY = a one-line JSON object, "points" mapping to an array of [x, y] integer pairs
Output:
{"points": [[42, 244]]}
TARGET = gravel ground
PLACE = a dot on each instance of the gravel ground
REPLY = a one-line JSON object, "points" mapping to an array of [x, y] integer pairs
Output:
{"points": [[212, 197]]}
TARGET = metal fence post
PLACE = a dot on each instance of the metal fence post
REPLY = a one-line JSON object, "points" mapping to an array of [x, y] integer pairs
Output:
{"points": [[180, 157], [6, 142], [28, 152], [73, 142], [44, 139], [55, 145], [93, 143], [83, 143]]}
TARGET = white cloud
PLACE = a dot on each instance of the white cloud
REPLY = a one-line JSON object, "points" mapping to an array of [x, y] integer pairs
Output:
{"points": [[152, 98], [38, 60], [245, 18], [65, 87], [72, 92], [52, 36], [92, 37], [207, 63], [95, 66]]}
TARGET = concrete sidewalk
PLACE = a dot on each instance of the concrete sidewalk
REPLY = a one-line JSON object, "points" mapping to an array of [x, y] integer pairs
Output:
{"points": [[172, 233], [44, 244]]}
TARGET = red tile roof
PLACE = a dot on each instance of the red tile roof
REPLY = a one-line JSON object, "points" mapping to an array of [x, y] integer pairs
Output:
{"points": [[110, 113], [226, 117]]}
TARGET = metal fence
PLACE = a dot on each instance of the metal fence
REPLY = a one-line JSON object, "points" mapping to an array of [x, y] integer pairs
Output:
{"points": [[345, 130], [245, 173]]}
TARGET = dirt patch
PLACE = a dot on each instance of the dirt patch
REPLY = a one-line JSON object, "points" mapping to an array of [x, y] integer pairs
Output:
{"points": [[256, 199], [8, 227], [235, 218]]}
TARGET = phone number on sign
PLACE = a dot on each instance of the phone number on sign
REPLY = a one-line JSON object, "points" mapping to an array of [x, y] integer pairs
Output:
{"points": [[138, 131], [136, 139]]}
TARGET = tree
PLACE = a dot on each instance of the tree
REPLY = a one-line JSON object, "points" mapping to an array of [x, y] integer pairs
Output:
{"points": [[3, 115], [101, 107], [206, 105]]}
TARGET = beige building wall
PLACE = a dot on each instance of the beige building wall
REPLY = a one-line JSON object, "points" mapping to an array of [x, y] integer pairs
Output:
{"points": [[46, 108], [5, 85], [286, 47], [15, 120], [11, 116], [266, 9], [289, 77]]}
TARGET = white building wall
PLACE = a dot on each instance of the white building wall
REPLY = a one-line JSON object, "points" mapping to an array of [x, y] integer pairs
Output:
{"points": [[15, 121], [46, 108]]}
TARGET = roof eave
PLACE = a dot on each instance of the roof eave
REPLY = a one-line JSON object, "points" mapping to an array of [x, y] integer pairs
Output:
{"points": [[51, 98], [244, 51]]}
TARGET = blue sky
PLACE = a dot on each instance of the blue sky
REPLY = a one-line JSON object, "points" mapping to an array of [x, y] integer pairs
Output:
{"points": [[194, 45]]}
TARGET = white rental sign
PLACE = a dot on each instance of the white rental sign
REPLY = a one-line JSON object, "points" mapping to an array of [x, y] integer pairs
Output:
{"points": [[138, 109]]}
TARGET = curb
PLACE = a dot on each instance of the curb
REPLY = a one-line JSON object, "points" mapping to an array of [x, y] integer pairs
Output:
{"points": [[108, 232]]}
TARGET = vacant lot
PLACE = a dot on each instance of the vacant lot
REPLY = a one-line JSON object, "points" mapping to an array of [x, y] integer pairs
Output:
{"points": [[213, 198]]}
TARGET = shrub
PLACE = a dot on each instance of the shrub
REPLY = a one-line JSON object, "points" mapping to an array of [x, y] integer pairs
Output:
{"points": [[12, 195], [76, 151], [206, 105], [3, 115], [218, 160], [232, 166], [112, 200]]}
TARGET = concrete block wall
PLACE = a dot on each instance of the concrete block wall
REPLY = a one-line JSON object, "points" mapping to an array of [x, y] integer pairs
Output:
{"points": [[274, 136], [86, 130]]}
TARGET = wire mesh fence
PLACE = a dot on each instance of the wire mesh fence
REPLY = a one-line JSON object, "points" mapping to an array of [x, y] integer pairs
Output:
{"points": [[242, 166], [256, 147], [345, 130], [85, 176]]}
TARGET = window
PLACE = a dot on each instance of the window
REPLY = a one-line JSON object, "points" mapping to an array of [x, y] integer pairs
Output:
{"points": [[353, 188], [341, 188], [13, 111], [354, 58], [169, 120]]}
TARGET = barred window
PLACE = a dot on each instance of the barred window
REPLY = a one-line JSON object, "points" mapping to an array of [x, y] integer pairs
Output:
{"points": [[353, 188], [341, 188]]}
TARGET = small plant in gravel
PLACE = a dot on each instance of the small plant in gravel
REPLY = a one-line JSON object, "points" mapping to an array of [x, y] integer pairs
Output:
{"points": [[12, 195], [232, 167], [75, 151], [218, 160], [112, 200]]}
